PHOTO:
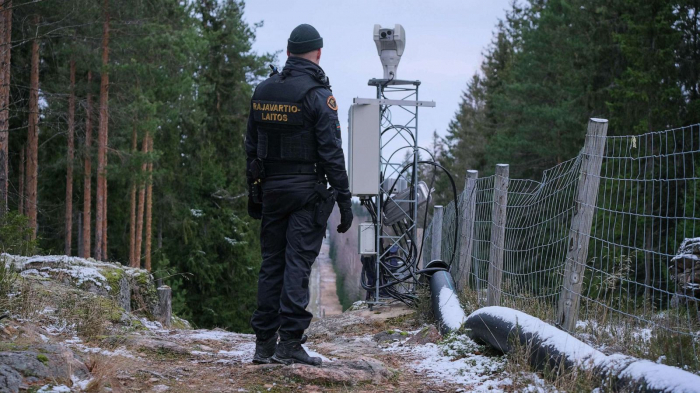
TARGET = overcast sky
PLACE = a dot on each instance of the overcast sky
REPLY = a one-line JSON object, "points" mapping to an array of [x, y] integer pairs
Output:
{"points": [[444, 45]]}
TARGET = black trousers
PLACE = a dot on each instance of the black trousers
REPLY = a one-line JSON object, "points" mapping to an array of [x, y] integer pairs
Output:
{"points": [[290, 242]]}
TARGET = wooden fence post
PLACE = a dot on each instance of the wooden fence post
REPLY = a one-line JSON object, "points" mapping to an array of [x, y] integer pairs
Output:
{"points": [[579, 234], [436, 241], [498, 232], [467, 238], [165, 302]]}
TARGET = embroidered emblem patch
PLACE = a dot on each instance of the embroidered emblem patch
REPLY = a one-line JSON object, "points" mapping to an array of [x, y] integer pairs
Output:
{"points": [[331, 103]]}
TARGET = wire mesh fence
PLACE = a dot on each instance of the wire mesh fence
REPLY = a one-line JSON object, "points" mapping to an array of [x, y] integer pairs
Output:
{"points": [[639, 285]]}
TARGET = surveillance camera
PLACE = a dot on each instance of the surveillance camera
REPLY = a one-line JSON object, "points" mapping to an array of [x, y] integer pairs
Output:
{"points": [[390, 44]]}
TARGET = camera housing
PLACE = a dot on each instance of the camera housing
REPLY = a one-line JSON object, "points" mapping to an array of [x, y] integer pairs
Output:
{"points": [[390, 45]]}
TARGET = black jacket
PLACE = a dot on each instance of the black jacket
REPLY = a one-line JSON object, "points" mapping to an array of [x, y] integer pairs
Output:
{"points": [[319, 115]]}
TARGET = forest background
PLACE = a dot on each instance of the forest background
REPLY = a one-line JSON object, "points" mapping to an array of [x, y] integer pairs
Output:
{"points": [[121, 134]]}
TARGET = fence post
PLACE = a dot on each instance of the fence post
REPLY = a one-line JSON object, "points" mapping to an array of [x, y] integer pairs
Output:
{"points": [[436, 242], [498, 234], [468, 215], [579, 234], [165, 301]]}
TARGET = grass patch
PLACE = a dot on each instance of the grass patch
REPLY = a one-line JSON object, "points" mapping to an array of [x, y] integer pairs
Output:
{"points": [[524, 373], [104, 370], [424, 307], [8, 281]]}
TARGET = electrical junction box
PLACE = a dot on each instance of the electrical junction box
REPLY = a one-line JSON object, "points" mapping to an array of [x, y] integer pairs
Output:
{"points": [[363, 150], [367, 242]]}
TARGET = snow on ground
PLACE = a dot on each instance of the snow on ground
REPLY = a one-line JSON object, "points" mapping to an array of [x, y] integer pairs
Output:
{"points": [[153, 326], [34, 272], [311, 352], [80, 269], [54, 389], [76, 343], [81, 384], [456, 360], [615, 329], [241, 346], [215, 335]]}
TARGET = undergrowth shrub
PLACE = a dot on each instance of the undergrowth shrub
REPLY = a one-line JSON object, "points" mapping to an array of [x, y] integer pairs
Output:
{"points": [[16, 235], [8, 281]]}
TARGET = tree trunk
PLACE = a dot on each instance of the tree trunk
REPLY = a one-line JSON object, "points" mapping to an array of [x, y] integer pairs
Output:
{"points": [[87, 183], [33, 137], [142, 197], [160, 231], [69, 163], [132, 221], [5, 52], [149, 206], [27, 167], [101, 213], [22, 163], [104, 211], [80, 234]]}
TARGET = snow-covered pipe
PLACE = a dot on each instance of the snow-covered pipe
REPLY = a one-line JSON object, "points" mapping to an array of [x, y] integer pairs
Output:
{"points": [[501, 326], [444, 299]]}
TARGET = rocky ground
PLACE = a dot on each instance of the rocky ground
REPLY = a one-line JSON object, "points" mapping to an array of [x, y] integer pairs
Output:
{"points": [[65, 331]]}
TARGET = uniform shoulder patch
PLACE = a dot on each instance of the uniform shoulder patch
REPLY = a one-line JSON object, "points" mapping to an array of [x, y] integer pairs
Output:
{"points": [[331, 103]]}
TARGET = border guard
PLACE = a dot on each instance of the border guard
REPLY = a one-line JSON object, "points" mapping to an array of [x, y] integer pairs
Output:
{"points": [[293, 149]]}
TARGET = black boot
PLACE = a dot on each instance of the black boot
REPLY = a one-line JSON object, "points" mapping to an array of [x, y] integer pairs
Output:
{"points": [[264, 349], [291, 351]]}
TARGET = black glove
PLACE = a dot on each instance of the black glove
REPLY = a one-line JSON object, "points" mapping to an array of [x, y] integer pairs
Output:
{"points": [[345, 216], [254, 209]]}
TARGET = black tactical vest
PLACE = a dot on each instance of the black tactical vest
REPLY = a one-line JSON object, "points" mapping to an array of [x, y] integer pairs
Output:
{"points": [[284, 133]]}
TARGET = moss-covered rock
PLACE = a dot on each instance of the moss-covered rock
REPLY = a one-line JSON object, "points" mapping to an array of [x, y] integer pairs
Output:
{"points": [[144, 296], [114, 277], [179, 323]]}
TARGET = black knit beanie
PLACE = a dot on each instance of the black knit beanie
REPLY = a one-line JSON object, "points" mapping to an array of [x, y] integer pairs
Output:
{"points": [[304, 38]]}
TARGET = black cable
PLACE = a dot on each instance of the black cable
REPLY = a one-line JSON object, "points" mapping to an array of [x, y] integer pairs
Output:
{"points": [[454, 193], [388, 278]]}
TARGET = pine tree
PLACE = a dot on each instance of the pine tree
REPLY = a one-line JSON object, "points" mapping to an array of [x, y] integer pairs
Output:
{"points": [[466, 140], [141, 202], [69, 158], [149, 209], [132, 220], [87, 175], [688, 57], [33, 136], [101, 205], [22, 165], [5, 61]]}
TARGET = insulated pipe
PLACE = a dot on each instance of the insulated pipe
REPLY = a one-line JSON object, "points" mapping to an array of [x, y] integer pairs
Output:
{"points": [[489, 326], [443, 296], [501, 327]]}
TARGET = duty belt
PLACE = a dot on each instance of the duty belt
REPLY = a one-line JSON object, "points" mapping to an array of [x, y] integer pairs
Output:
{"points": [[272, 169]]}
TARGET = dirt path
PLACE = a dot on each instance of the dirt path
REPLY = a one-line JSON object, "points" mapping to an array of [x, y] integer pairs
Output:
{"points": [[57, 344], [383, 350], [324, 300]]}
